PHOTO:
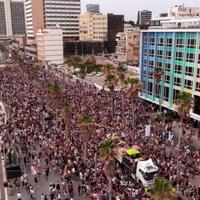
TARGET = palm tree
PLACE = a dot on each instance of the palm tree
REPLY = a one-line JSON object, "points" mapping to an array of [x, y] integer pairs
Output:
{"points": [[121, 77], [158, 74], [108, 69], [108, 152], [111, 81], [134, 87], [65, 113], [184, 104], [55, 91], [162, 190], [86, 130]]}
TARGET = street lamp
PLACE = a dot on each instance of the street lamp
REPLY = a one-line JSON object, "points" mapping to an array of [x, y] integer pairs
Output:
{"points": [[165, 112]]}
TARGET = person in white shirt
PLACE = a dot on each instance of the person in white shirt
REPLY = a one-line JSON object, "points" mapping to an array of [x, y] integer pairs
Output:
{"points": [[19, 196]]}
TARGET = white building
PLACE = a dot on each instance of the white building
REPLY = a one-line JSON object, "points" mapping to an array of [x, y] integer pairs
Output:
{"points": [[50, 46], [182, 11]]}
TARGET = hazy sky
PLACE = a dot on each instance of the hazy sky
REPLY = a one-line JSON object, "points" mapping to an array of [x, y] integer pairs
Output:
{"points": [[130, 7]]}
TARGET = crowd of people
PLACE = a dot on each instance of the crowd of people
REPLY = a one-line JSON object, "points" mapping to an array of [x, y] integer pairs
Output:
{"points": [[36, 129]]}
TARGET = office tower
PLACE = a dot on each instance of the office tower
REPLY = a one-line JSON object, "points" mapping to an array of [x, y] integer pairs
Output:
{"points": [[93, 8], [50, 13], [12, 20], [175, 48], [144, 16], [65, 14]]}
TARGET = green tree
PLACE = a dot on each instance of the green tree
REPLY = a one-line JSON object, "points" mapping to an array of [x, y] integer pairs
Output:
{"points": [[134, 87], [162, 190], [184, 104], [121, 78], [86, 126], [108, 152], [158, 74], [111, 82], [65, 112]]}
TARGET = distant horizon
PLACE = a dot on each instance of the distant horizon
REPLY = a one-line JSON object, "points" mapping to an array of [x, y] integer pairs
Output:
{"points": [[129, 8]]}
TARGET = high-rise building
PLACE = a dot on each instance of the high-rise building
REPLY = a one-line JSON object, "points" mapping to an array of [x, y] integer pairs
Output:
{"points": [[144, 16], [93, 8], [64, 13], [50, 13], [175, 48], [12, 18], [34, 16], [101, 27]]}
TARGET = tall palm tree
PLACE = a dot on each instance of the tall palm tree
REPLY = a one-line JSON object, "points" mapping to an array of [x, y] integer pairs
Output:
{"points": [[162, 190], [134, 87], [121, 77], [111, 82], [65, 113], [86, 125], [108, 152], [158, 74], [55, 92], [184, 104]]}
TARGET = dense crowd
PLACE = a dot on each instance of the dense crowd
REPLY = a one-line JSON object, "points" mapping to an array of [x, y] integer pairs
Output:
{"points": [[37, 130]]}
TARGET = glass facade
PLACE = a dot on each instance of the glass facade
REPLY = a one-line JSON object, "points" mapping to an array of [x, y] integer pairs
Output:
{"points": [[178, 54]]}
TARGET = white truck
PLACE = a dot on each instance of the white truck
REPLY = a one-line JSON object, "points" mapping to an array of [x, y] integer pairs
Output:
{"points": [[142, 170]]}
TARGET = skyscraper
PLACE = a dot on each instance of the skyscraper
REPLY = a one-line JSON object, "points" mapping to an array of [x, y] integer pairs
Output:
{"points": [[50, 13], [12, 19], [144, 16]]}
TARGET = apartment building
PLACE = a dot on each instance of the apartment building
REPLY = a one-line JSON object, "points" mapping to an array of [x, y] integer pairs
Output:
{"points": [[175, 48], [128, 44], [12, 18]]}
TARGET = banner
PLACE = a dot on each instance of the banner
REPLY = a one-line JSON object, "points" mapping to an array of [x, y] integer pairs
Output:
{"points": [[148, 130]]}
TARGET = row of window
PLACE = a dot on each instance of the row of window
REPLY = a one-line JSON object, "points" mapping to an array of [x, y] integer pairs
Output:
{"points": [[190, 43], [190, 57], [167, 91]]}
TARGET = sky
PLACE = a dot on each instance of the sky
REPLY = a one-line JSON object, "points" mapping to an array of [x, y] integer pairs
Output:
{"points": [[130, 7]]}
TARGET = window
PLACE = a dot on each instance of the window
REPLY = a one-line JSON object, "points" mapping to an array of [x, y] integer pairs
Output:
{"points": [[166, 94], [152, 41], [177, 81], [145, 62], [151, 75], [189, 71], [150, 88], [179, 56], [151, 52], [178, 69], [160, 41], [151, 64], [167, 67], [175, 95], [198, 72], [199, 58], [188, 84], [197, 87], [160, 53], [167, 79], [190, 57], [169, 42], [159, 64], [191, 43], [145, 40], [179, 43], [145, 52], [168, 54]]}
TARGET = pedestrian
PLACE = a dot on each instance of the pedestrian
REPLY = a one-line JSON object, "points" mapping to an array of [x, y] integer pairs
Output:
{"points": [[19, 196]]}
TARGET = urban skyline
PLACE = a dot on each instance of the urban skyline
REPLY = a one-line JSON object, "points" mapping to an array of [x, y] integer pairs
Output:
{"points": [[130, 11]]}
